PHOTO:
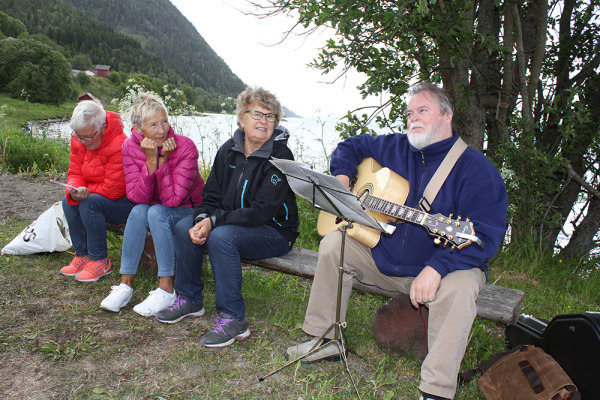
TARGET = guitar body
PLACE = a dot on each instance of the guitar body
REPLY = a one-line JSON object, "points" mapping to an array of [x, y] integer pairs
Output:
{"points": [[372, 179]]}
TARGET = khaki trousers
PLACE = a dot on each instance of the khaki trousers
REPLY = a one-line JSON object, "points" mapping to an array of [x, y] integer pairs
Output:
{"points": [[451, 314]]}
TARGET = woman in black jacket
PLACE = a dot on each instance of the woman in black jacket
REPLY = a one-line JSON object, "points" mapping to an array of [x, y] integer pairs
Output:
{"points": [[248, 212]]}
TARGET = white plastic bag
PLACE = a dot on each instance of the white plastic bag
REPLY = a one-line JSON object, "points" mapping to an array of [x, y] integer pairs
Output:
{"points": [[48, 233]]}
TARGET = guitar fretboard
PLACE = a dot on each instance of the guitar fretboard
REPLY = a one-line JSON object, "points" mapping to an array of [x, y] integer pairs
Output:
{"points": [[395, 210]]}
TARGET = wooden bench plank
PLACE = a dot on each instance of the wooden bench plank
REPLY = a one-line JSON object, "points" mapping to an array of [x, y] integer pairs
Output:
{"points": [[495, 303]]}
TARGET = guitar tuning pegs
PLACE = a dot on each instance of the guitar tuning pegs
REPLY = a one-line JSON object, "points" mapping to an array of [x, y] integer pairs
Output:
{"points": [[468, 220], [459, 217], [452, 249], [437, 240], [445, 243], [450, 216]]}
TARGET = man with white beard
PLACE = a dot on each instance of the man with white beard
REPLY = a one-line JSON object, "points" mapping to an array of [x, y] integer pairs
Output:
{"points": [[409, 261]]}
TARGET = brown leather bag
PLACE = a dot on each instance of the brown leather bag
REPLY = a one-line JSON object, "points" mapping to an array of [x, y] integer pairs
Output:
{"points": [[524, 373]]}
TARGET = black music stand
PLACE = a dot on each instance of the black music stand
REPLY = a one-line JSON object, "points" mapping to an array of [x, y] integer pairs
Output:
{"points": [[327, 193]]}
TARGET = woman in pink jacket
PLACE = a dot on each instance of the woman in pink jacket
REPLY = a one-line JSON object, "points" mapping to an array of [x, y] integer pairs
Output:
{"points": [[162, 178]]}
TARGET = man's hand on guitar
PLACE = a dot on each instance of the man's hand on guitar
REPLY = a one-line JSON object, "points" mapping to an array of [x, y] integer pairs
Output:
{"points": [[425, 286], [344, 179]]}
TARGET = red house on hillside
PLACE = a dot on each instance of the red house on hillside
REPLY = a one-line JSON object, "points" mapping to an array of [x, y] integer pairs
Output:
{"points": [[86, 96], [102, 70]]}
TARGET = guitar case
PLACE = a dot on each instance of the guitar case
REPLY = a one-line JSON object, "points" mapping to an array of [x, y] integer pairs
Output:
{"points": [[573, 340]]}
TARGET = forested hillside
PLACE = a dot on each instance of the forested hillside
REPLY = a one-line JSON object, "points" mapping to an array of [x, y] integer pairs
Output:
{"points": [[163, 30], [80, 34], [150, 37]]}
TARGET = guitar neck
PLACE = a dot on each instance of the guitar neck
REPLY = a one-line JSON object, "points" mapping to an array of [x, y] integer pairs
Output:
{"points": [[399, 211]]}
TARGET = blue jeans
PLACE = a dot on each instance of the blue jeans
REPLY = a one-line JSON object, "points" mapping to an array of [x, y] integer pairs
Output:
{"points": [[160, 221], [87, 223], [227, 245]]}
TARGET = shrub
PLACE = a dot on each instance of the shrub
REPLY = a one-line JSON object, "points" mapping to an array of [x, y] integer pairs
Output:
{"points": [[32, 71], [23, 152]]}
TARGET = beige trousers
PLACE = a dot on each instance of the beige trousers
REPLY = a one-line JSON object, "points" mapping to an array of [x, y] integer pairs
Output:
{"points": [[451, 314]]}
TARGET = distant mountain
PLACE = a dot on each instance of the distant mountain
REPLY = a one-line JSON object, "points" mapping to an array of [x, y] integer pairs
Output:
{"points": [[147, 36], [289, 113], [164, 31]]}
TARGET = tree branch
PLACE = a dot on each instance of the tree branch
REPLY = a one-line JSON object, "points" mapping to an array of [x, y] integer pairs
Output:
{"points": [[575, 176], [521, 61], [539, 51]]}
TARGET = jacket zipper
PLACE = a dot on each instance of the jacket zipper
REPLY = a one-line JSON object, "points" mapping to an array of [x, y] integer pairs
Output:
{"points": [[239, 184], [401, 252]]}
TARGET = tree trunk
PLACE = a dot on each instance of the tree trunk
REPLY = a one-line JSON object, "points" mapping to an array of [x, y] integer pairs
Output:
{"points": [[582, 241]]}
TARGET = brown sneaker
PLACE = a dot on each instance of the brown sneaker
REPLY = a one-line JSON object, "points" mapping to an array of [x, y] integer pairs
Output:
{"points": [[94, 271], [75, 266]]}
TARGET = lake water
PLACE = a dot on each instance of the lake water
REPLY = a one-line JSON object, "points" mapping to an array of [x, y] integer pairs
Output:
{"points": [[311, 140]]}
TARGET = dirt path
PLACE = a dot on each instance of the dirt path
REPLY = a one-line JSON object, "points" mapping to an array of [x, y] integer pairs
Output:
{"points": [[26, 198]]}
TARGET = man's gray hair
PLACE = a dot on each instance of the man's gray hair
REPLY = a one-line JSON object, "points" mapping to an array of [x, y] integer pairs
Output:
{"points": [[88, 113], [441, 97]]}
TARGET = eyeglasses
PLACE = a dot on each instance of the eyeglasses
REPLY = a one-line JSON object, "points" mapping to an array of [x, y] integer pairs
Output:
{"points": [[84, 138], [258, 115]]}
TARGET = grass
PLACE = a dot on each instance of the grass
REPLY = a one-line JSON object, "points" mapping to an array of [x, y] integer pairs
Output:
{"points": [[57, 343], [17, 113], [53, 325]]}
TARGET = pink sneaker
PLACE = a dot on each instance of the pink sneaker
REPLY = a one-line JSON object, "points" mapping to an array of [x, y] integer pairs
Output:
{"points": [[94, 271], [75, 266]]}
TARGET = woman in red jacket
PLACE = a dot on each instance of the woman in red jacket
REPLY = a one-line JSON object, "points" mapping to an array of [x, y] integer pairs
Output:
{"points": [[96, 170]]}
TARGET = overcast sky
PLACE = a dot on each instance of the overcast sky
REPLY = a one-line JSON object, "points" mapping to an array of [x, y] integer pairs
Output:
{"points": [[249, 47]]}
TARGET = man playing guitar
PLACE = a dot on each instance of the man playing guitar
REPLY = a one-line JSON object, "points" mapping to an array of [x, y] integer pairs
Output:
{"points": [[446, 281]]}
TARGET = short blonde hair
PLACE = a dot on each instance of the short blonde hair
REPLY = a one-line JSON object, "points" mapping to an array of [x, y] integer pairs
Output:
{"points": [[144, 105], [260, 96]]}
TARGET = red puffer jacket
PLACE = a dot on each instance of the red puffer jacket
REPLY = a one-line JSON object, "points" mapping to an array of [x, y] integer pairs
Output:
{"points": [[99, 170]]}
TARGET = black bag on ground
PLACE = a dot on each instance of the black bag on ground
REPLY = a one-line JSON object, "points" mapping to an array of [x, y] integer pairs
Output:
{"points": [[523, 373], [573, 340]]}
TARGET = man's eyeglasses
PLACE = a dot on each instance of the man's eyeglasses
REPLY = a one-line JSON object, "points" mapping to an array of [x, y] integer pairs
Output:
{"points": [[84, 138], [258, 115]]}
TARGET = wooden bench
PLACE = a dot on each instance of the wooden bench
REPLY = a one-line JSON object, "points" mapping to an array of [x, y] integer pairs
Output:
{"points": [[495, 303]]}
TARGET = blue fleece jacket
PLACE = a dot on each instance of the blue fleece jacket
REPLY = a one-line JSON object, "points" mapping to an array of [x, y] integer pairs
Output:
{"points": [[473, 189]]}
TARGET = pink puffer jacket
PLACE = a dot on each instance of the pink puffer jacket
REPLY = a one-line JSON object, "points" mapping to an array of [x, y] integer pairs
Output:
{"points": [[177, 183]]}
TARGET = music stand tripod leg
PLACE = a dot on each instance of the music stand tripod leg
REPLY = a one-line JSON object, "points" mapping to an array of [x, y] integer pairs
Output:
{"points": [[337, 325]]}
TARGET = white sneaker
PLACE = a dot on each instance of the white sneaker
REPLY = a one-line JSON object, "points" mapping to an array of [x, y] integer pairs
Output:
{"points": [[119, 297], [157, 301]]}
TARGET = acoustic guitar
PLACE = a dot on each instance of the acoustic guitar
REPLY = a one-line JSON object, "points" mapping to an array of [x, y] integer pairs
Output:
{"points": [[383, 192]]}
